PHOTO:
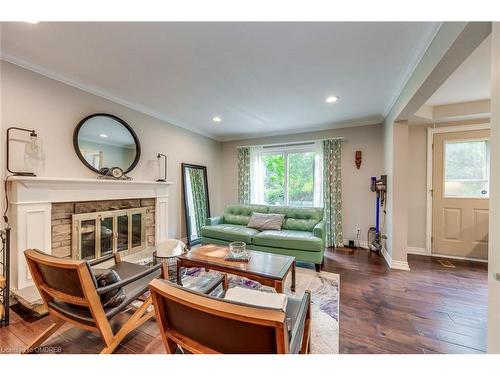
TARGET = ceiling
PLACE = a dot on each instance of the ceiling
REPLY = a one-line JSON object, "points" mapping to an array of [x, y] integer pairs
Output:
{"points": [[470, 82], [260, 78]]}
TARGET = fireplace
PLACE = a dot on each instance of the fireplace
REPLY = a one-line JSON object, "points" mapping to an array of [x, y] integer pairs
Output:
{"points": [[83, 218], [88, 230], [102, 233]]}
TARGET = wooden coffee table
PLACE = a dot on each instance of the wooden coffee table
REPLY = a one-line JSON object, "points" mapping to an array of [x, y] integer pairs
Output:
{"points": [[268, 269]]}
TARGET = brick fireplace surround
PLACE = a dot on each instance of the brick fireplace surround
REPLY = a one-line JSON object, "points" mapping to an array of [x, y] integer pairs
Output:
{"points": [[40, 212]]}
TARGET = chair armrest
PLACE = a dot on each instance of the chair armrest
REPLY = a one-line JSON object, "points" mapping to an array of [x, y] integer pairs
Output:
{"points": [[128, 280], [319, 230], [103, 259], [214, 220], [297, 331]]}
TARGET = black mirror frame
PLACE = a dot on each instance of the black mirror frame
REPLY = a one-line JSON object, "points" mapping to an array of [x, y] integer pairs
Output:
{"points": [[184, 166], [129, 128]]}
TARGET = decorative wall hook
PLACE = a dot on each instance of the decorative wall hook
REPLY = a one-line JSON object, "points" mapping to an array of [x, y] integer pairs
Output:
{"points": [[357, 159]]}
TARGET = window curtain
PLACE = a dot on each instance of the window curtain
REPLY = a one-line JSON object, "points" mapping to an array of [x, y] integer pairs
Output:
{"points": [[256, 175], [197, 180], [318, 174], [332, 192], [244, 175]]}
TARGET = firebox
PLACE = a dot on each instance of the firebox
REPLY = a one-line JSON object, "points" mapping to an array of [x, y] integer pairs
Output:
{"points": [[98, 234]]}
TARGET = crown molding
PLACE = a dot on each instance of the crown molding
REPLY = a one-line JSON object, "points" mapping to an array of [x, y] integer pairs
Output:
{"points": [[372, 120], [414, 61], [100, 93]]}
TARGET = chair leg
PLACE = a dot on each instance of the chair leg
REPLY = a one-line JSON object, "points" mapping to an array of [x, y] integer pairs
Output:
{"points": [[137, 319], [306, 338], [44, 336], [317, 266]]}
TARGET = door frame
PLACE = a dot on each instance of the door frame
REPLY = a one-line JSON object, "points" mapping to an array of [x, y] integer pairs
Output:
{"points": [[430, 144]]}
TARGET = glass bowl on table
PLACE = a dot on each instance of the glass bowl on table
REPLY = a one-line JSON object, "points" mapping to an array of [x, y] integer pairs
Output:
{"points": [[238, 249]]}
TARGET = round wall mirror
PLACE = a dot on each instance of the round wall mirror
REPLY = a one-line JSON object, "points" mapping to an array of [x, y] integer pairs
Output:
{"points": [[106, 141]]}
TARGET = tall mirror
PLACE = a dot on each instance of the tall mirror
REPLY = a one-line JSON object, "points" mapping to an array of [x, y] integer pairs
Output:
{"points": [[105, 141], [196, 202]]}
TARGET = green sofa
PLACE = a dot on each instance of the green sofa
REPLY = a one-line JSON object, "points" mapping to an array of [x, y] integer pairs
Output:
{"points": [[301, 236]]}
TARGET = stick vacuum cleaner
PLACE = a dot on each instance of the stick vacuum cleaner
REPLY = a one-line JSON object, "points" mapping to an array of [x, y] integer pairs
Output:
{"points": [[379, 186]]}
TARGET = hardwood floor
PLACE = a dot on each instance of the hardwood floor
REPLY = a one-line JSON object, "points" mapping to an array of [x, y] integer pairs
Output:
{"points": [[431, 309]]}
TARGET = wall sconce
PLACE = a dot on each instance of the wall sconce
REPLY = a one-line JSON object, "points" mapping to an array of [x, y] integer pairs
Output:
{"points": [[357, 159], [159, 156], [33, 149]]}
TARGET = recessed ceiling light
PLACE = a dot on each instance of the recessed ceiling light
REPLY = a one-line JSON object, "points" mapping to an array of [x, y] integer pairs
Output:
{"points": [[103, 135], [216, 119], [32, 22], [332, 99]]}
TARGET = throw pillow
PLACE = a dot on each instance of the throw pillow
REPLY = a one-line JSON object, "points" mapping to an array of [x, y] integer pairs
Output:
{"points": [[114, 297], [266, 221]]}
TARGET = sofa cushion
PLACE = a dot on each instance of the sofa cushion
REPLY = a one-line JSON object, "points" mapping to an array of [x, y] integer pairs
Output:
{"points": [[266, 221], [229, 232], [239, 214], [299, 218], [289, 239]]}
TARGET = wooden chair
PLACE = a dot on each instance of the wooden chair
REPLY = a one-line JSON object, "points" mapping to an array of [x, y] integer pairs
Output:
{"points": [[69, 289], [199, 323]]}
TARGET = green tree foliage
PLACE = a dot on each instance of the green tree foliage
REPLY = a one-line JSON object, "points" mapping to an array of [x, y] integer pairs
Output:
{"points": [[465, 163], [300, 179], [274, 179]]}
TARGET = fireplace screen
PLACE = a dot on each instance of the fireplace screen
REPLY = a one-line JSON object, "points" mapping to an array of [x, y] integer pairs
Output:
{"points": [[98, 234]]}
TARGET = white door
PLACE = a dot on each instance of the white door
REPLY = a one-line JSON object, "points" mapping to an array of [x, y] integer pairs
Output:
{"points": [[461, 194]]}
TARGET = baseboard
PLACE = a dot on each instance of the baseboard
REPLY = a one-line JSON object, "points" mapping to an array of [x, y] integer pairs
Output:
{"points": [[460, 258], [423, 251], [362, 244], [417, 251], [394, 264], [386, 256]]}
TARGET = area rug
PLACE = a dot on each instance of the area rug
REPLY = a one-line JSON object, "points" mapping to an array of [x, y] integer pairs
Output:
{"points": [[324, 287]]}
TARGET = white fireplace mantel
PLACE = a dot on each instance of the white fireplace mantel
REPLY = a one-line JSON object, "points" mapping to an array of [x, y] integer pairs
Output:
{"points": [[54, 189], [30, 204]]}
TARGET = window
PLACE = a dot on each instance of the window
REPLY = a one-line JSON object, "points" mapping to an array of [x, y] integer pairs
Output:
{"points": [[289, 177], [466, 169]]}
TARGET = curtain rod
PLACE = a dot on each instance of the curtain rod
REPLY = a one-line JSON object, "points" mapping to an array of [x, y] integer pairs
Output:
{"points": [[294, 143]]}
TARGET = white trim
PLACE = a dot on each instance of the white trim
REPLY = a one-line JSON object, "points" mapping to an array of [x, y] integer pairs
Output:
{"points": [[415, 60], [394, 264], [423, 251], [94, 90], [417, 251], [430, 140], [459, 258]]}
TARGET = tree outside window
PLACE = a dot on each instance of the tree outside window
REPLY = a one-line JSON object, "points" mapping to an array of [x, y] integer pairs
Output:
{"points": [[289, 178]]}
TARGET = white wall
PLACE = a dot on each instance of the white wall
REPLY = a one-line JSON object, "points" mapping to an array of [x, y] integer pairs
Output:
{"points": [[358, 202], [54, 109]]}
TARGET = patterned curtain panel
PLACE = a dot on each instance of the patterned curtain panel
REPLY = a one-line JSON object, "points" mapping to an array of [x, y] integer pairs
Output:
{"points": [[199, 197], [332, 192], [244, 175]]}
